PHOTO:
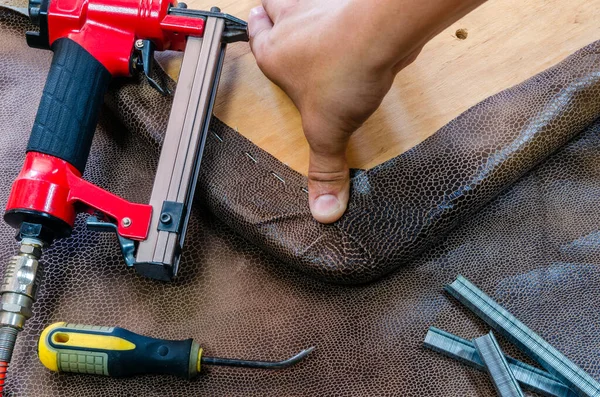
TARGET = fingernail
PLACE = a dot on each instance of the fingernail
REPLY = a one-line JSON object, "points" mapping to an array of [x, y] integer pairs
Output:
{"points": [[256, 16], [326, 205], [256, 11]]}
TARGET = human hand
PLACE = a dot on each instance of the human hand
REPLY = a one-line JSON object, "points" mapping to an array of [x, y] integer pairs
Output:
{"points": [[337, 60]]}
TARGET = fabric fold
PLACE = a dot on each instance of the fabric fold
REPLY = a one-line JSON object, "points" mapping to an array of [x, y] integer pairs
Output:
{"points": [[402, 207]]}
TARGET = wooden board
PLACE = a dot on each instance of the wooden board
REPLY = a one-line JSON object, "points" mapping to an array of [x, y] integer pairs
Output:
{"points": [[508, 41]]}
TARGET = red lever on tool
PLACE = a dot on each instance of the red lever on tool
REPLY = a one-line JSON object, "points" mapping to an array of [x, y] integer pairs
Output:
{"points": [[54, 187]]}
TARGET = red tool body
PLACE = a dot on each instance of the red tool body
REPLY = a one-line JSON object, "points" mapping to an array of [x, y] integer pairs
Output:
{"points": [[51, 188], [95, 23], [94, 41]]}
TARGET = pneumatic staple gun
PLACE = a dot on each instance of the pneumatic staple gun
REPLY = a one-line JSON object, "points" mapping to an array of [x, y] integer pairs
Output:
{"points": [[94, 41]]}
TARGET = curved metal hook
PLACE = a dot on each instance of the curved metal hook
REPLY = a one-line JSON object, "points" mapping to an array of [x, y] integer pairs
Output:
{"points": [[258, 364]]}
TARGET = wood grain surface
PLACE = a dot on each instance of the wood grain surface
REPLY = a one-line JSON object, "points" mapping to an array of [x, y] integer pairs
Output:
{"points": [[506, 42]]}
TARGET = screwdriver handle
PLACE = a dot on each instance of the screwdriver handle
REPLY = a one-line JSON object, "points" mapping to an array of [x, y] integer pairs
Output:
{"points": [[115, 352]]}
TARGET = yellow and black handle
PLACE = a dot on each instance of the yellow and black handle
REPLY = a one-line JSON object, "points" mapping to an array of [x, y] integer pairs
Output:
{"points": [[115, 352]]}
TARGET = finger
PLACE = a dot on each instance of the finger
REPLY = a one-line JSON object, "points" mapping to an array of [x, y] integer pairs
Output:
{"points": [[259, 24], [328, 185], [275, 8]]}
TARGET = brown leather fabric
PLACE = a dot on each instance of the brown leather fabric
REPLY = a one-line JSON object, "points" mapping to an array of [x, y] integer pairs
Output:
{"points": [[400, 208], [535, 247]]}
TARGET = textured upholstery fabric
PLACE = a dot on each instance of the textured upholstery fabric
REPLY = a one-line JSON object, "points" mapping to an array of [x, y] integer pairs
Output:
{"points": [[507, 195], [400, 208]]}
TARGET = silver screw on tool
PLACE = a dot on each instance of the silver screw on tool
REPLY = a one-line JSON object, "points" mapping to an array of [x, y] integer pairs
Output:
{"points": [[126, 222], [165, 218], [139, 44]]}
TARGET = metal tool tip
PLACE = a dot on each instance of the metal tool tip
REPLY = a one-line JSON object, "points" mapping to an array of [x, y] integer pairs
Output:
{"points": [[300, 356], [306, 352], [259, 364], [292, 360]]}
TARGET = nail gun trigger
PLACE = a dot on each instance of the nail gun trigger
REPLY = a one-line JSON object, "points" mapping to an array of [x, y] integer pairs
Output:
{"points": [[145, 63], [127, 245]]}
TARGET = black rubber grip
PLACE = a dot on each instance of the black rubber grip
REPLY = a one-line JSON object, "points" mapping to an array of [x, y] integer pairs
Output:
{"points": [[66, 119], [139, 355]]}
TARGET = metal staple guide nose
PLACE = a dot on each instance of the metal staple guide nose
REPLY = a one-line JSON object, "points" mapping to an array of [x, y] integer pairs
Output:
{"points": [[181, 155]]}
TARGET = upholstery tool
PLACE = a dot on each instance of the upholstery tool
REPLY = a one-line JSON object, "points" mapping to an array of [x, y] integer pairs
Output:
{"points": [[94, 41], [117, 352]]}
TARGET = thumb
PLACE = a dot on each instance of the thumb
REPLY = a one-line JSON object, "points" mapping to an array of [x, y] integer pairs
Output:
{"points": [[259, 24], [328, 185]]}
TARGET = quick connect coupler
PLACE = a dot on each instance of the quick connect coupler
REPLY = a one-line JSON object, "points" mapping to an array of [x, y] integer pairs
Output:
{"points": [[18, 291]]}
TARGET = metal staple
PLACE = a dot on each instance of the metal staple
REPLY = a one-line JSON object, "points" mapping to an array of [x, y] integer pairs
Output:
{"points": [[497, 367], [523, 337], [463, 350], [217, 136]]}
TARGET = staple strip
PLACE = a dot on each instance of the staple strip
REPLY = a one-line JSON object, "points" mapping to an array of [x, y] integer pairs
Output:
{"points": [[531, 378], [497, 367], [305, 190], [523, 337]]}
